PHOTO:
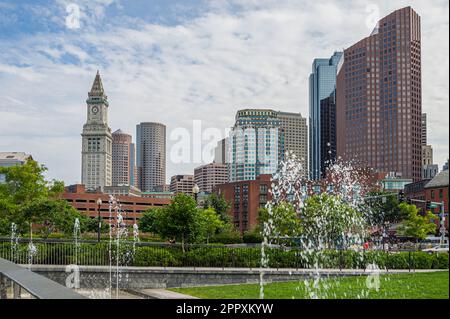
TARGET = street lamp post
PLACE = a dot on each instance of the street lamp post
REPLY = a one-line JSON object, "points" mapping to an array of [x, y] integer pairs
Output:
{"points": [[442, 223], [195, 191], [99, 204]]}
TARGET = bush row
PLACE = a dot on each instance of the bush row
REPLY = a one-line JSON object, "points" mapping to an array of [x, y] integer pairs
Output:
{"points": [[277, 258], [220, 256]]}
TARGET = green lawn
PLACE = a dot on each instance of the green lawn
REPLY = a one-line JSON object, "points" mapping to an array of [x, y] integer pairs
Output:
{"points": [[434, 285]]}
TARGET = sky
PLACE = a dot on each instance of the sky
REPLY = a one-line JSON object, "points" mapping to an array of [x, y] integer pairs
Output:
{"points": [[177, 62]]}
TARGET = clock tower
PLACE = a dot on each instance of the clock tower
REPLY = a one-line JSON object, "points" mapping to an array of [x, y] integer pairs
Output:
{"points": [[96, 170]]}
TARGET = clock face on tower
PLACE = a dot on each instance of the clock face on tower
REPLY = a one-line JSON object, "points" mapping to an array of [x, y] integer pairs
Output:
{"points": [[94, 110]]}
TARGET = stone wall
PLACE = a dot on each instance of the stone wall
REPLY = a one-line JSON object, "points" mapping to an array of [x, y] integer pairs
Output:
{"points": [[156, 277]]}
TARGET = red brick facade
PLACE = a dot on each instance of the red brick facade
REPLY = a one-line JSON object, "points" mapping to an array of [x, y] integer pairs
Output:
{"points": [[438, 195], [245, 199], [132, 206]]}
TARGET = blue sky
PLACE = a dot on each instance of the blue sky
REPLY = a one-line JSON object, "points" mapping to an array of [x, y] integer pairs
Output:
{"points": [[178, 61]]}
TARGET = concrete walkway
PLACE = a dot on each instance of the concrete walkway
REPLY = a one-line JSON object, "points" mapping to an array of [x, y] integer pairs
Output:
{"points": [[160, 294]]}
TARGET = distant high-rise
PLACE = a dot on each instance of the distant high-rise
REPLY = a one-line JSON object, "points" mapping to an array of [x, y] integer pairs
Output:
{"points": [[424, 129], [210, 175], [151, 155], [295, 137], [220, 152], [379, 98], [96, 171], [121, 158], [133, 168], [322, 85], [255, 145], [427, 155], [182, 184], [327, 133], [429, 170], [259, 140]]}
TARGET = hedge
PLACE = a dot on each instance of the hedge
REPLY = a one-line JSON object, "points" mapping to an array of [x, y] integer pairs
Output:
{"points": [[221, 256]]}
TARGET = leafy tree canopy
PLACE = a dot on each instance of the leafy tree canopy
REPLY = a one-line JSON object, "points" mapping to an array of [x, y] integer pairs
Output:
{"points": [[415, 225], [219, 204], [327, 221], [382, 212], [281, 221], [27, 197]]}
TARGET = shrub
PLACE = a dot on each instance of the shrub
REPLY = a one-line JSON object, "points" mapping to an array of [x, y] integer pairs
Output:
{"points": [[252, 237], [422, 260], [154, 256], [440, 261], [228, 237]]}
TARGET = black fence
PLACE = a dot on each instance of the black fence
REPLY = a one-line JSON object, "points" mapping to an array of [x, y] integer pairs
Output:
{"points": [[221, 256]]}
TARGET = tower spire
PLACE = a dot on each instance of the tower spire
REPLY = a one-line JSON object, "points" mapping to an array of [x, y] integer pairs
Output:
{"points": [[97, 86]]}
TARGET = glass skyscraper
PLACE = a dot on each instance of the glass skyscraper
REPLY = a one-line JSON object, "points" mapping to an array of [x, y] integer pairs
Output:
{"points": [[255, 145], [322, 85]]}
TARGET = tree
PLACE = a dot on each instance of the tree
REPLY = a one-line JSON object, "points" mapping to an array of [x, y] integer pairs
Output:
{"points": [[283, 221], [211, 223], [381, 212], [149, 222], [54, 215], [180, 220], [219, 204], [24, 188], [415, 225], [91, 225], [327, 221], [4, 226]]}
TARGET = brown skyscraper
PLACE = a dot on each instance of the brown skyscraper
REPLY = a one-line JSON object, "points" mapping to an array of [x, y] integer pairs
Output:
{"points": [[379, 97], [122, 163]]}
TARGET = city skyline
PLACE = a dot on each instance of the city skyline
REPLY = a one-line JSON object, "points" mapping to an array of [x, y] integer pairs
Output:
{"points": [[138, 93]]}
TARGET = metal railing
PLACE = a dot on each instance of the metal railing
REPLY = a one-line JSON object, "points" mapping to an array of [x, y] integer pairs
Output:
{"points": [[19, 279], [201, 255]]}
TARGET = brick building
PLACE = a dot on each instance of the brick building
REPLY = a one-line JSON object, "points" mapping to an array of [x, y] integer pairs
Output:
{"points": [[416, 190], [132, 206], [436, 190], [245, 199]]}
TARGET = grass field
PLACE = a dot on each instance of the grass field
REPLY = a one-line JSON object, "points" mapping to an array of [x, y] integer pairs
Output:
{"points": [[434, 285]]}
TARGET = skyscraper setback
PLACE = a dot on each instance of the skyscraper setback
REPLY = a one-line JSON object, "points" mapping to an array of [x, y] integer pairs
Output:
{"points": [[379, 98], [151, 155]]}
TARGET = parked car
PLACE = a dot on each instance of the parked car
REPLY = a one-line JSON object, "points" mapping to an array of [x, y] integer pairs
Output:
{"points": [[437, 249]]}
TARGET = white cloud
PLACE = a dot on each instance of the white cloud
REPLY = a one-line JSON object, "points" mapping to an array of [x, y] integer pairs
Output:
{"points": [[206, 68]]}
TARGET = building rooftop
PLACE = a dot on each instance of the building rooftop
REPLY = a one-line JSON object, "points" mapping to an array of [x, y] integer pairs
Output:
{"points": [[440, 180], [18, 156], [119, 131]]}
